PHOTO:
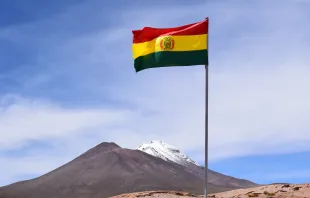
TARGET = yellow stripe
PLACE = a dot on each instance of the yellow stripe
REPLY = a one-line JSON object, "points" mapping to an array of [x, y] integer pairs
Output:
{"points": [[181, 43]]}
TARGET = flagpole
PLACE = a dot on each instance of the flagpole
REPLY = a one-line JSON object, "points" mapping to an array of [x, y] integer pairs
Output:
{"points": [[206, 115]]}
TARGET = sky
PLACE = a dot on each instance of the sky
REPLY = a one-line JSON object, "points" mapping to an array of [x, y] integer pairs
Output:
{"points": [[67, 83]]}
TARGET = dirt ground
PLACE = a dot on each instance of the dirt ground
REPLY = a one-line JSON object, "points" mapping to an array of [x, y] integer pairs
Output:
{"points": [[270, 191], [161, 194], [275, 191]]}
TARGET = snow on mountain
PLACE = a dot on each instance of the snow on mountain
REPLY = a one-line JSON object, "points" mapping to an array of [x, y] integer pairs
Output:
{"points": [[172, 154], [166, 152]]}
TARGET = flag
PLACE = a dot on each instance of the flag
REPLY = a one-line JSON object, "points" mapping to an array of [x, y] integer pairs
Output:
{"points": [[164, 47]]}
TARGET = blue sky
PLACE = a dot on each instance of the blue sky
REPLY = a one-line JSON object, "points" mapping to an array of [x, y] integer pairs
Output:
{"points": [[67, 83]]}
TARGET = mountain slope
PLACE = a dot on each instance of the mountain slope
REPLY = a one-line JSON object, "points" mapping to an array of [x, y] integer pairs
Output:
{"points": [[108, 170], [172, 154]]}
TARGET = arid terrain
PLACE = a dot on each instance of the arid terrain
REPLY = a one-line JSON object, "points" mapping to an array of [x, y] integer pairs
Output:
{"points": [[276, 190], [269, 191], [162, 194]]}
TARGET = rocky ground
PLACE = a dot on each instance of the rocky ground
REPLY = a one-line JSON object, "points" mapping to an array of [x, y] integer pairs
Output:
{"points": [[275, 191], [270, 191], [161, 194]]}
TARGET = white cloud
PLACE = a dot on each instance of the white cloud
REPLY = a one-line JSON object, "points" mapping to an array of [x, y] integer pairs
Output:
{"points": [[23, 120]]}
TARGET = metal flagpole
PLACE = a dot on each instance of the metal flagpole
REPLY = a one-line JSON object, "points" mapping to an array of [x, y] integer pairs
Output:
{"points": [[206, 115]]}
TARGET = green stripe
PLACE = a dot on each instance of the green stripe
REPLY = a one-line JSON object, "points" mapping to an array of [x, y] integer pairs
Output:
{"points": [[170, 58]]}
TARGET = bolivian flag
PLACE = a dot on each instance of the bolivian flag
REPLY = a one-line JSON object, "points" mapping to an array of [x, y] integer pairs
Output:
{"points": [[164, 47]]}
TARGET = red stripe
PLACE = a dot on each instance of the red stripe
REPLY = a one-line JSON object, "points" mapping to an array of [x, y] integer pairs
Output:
{"points": [[149, 33]]}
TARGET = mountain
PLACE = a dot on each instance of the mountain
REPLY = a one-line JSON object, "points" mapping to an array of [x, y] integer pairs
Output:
{"points": [[166, 152], [171, 154], [107, 170]]}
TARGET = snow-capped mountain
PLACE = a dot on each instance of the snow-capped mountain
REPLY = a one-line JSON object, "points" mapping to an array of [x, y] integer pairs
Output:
{"points": [[166, 152], [171, 154]]}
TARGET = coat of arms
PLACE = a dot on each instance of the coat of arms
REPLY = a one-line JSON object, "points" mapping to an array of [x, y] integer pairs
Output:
{"points": [[167, 43]]}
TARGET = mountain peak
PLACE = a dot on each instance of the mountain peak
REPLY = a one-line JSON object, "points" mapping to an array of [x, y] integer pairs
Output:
{"points": [[100, 148], [106, 146], [167, 152]]}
